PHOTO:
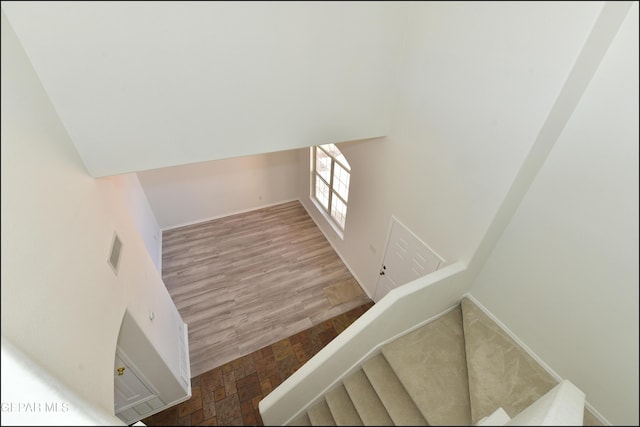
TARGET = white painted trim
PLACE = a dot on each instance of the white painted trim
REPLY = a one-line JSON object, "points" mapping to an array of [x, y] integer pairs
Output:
{"points": [[198, 221], [363, 338], [530, 352], [185, 334], [333, 385], [563, 405], [123, 355], [163, 407], [395, 218], [351, 270], [129, 364], [597, 414], [371, 353], [514, 337], [327, 218], [167, 406], [344, 261], [160, 251], [126, 359], [418, 326]]}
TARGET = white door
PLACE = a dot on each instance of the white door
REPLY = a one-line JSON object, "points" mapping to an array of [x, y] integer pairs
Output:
{"points": [[129, 389], [405, 259]]}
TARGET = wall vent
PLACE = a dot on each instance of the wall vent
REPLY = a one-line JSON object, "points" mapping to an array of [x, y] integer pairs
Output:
{"points": [[114, 255]]}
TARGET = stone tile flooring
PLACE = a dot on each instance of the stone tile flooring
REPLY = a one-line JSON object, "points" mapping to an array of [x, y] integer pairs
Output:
{"points": [[229, 394]]}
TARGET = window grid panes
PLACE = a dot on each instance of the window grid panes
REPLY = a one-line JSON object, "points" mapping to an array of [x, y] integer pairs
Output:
{"points": [[339, 211], [322, 193], [331, 181], [323, 165], [341, 181]]}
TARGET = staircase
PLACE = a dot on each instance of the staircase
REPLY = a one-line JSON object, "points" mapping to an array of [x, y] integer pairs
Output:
{"points": [[461, 369]]}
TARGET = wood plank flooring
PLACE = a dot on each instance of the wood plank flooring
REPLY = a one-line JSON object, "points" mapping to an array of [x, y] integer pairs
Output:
{"points": [[229, 395], [246, 281]]}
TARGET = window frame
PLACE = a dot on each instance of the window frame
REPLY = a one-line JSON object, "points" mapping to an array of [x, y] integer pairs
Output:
{"points": [[330, 185]]}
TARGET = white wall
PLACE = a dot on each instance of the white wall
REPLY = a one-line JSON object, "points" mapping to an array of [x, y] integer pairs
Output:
{"points": [[62, 305], [564, 275], [143, 216], [477, 84], [401, 310], [144, 85], [193, 193], [51, 402]]}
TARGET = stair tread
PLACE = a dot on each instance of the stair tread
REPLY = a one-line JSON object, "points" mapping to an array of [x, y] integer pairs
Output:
{"points": [[498, 418], [366, 400], [320, 415], [392, 393], [341, 406], [430, 362], [300, 420], [501, 373]]}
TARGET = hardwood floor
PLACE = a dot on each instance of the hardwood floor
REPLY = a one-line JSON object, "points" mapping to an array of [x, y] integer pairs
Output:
{"points": [[246, 281], [229, 395]]}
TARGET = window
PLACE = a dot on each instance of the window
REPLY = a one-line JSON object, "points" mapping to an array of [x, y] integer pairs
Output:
{"points": [[330, 182]]}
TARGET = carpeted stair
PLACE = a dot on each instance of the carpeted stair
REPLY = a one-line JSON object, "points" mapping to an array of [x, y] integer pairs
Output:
{"points": [[460, 369]]}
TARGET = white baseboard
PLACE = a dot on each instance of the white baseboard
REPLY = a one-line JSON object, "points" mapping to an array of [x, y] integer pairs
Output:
{"points": [[344, 261], [358, 364], [198, 221], [165, 407], [531, 353], [160, 253], [351, 270]]}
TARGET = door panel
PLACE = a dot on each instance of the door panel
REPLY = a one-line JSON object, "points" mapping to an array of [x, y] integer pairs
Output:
{"points": [[383, 287], [128, 387], [406, 259]]}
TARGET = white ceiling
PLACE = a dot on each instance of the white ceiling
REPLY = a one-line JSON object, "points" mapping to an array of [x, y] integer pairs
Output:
{"points": [[143, 85]]}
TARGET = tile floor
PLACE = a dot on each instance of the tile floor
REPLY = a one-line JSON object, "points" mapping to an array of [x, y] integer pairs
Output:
{"points": [[229, 394]]}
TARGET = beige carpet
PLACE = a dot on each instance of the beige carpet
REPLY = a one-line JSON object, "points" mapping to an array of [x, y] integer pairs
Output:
{"points": [[341, 292], [452, 371]]}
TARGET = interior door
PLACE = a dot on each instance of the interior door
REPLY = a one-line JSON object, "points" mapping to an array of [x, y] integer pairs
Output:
{"points": [[129, 389], [405, 259]]}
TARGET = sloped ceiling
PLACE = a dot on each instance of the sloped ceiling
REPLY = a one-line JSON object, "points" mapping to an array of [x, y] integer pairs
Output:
{"points": [[143, 85]]}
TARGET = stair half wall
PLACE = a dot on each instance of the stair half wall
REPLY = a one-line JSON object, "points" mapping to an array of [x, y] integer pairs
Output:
{"points": [[460, 369]]}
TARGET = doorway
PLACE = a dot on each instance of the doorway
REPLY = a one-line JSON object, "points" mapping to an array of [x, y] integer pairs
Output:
{"points": [[406, 258], [133, 396]]}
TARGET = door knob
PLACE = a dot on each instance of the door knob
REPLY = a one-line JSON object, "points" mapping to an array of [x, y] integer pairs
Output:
{"points": [[120, 371]]}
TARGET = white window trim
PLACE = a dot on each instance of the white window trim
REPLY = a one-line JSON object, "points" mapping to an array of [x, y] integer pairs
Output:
{"points": [[328, 217], [332, 192]]}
